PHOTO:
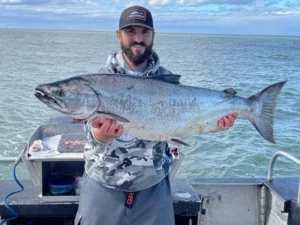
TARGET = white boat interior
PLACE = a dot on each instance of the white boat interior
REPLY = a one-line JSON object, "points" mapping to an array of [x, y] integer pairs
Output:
{"points": [[221, 201]]}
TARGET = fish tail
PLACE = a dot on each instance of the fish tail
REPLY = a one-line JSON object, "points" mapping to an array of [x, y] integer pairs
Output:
{"points": [[262, 114]]}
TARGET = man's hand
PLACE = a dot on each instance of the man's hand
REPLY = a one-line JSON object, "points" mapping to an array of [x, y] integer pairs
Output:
{"points": [[106, 130], [227, 121]]}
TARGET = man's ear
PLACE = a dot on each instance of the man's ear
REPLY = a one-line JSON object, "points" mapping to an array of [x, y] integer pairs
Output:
{"points": [[118, 32]]}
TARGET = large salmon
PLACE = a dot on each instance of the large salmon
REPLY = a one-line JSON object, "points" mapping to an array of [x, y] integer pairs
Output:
{"points": [[157, 108]]}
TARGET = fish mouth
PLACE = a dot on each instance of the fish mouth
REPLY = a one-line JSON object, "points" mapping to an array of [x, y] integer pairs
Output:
{"points": [[48, 98]]}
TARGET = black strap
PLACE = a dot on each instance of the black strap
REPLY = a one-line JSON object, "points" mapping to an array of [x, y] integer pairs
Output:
{"points": [[129, 199]]}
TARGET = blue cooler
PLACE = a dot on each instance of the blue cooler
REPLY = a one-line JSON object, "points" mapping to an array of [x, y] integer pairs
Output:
{"points": [[60, 185]]}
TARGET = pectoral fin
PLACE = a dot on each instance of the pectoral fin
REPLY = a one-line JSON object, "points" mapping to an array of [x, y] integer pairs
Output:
{"points": [[112, 116], [177, 141]]}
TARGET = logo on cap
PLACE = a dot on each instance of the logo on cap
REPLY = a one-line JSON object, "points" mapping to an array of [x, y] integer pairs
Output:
{"points": [[136, 15]]}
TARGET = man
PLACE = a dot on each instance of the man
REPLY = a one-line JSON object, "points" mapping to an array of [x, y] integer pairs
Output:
{"points": [[126, 181]]}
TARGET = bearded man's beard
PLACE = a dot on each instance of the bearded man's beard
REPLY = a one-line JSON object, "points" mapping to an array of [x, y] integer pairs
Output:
{"points": [[137, 58]]}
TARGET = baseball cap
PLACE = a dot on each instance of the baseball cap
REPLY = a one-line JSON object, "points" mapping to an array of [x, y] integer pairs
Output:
{"points": [[136, 15]]}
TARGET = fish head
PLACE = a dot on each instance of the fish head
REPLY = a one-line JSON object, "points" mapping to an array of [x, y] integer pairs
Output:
{"points": [[74, 97]]}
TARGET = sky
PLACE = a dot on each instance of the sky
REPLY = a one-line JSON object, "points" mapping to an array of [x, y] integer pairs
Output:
{"points": [[254, 17]]}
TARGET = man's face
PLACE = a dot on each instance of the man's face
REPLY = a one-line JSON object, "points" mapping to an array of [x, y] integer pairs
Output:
{"points": [[136, 43]]}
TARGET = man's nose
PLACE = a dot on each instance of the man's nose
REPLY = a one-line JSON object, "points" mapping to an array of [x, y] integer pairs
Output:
{"points": [[138, 37]]}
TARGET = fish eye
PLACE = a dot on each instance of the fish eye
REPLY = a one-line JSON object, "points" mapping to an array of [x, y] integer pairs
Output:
{"points": [[60, 93]]}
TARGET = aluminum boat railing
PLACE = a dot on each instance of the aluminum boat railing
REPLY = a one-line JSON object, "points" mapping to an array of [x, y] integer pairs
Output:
{"points": [[8, 159], [271, 166], [273, 159]]}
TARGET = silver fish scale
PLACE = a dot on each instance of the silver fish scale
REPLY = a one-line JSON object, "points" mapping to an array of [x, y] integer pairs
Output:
{"points": [[158, 110]]}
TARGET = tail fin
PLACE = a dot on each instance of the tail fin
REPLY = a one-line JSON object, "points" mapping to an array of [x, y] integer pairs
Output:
{"points": [[262, 117]]}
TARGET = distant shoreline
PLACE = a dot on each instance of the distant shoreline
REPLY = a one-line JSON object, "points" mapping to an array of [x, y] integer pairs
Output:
{"points": [[158, 32]]}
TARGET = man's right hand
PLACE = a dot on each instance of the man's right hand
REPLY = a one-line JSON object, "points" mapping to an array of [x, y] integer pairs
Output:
{"points": [[107, 130]]}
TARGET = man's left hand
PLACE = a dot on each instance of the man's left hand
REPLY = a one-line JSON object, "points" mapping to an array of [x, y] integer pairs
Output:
{"points": [[227, 121]]}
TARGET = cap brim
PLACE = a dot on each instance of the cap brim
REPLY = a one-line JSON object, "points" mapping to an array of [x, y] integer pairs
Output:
{"points": [[136, 24]]}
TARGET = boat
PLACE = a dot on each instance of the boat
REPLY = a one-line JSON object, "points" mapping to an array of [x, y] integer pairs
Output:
{"points": [[218, 201]]}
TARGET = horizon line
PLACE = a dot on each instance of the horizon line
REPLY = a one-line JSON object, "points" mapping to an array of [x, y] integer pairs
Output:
{"points": [[157, 32]]}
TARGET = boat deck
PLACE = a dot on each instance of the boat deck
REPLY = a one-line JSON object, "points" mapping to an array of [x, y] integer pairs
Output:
{"points": [[28, 205], [189, 200]]}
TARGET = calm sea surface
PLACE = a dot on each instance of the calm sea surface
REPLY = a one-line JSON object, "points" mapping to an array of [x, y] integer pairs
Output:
{"points": [[246, 63]]}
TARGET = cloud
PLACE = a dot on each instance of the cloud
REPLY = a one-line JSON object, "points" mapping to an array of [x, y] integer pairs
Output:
{"points": [[10, 1], [169, 15], [159, 2], [293, 4], [199, 2], [24, 2]]}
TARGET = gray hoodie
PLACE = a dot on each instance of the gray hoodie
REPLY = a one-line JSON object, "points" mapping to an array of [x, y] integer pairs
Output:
{"points": [[127, 163]]}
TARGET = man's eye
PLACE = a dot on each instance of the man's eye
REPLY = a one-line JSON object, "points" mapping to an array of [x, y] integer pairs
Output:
{"points": [[146, 32]]}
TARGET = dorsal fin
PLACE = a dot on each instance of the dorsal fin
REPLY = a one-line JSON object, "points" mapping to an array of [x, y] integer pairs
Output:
{"points": [[170, 78], [230, 91]]}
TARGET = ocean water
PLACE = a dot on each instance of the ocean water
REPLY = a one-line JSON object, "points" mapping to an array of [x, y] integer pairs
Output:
{"points": [[246, 63]]}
